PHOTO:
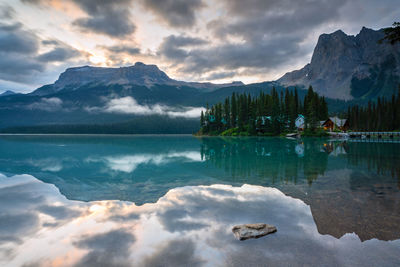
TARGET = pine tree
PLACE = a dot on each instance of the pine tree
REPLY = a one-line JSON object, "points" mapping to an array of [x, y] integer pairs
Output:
{"points": [[234, 111], [227, 113], [241, 112], [286, 108], [275, 115], [323, 110], [382, 115], [296, 101], [202, 119], [292, 112]]}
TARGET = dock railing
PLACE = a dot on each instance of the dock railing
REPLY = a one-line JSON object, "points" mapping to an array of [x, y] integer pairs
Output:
{"points": [[378, 135]]}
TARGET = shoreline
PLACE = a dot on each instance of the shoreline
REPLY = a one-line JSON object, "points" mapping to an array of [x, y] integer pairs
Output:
{"points": [[67, 134]]}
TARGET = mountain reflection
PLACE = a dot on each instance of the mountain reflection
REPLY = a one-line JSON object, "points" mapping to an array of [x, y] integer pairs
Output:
{"points": [[183, 228], [349, 187]]}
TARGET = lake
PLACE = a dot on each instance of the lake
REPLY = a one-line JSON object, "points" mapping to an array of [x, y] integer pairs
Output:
{"points": [[173, 200]]}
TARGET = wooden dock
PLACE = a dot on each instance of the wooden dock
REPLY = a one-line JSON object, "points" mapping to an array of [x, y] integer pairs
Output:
{"points": [[373, 140], [379, 135]]}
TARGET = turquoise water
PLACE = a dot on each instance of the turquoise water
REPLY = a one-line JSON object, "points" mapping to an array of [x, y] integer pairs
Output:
{"points": [[172, 201]]}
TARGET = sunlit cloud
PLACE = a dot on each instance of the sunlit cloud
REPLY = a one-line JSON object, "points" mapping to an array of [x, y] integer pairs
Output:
{"points": [[128, 105], [97, 59]]}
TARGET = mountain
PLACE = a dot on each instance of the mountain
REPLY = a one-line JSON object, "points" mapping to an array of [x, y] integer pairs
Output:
{"points": [[6, 93], [138, 74], [123, 105], [135, 99], [144, 99], [350, 67]]}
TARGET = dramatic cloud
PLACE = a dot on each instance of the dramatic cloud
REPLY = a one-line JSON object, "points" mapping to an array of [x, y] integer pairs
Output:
{"points": [[227, 58], [33, 2], [62, 52], [17, 50], [120, 54], [18, 67], [128, 105], [173, 46], [111, 18], [15, 39], [176, 13], [196, 40], [220, 75], [20, 60], [120, 49], [259, 19], [256, 34], [6, 12]]}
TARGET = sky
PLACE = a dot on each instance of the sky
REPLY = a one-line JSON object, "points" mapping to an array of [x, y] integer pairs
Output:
{"points": [[191, 40]]}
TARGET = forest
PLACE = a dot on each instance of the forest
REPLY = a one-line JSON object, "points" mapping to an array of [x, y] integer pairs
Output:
{"points": [[154, 124], [266, 114], [380, 115]]}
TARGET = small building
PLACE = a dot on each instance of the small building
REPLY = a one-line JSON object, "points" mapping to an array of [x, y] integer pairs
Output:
{"points": [[299, 122], [211, 118], [334, 123], [263, 119]]}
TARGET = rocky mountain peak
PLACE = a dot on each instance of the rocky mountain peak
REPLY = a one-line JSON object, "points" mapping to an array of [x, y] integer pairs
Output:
{"points": [[8, 92], [345, 66], [140, 74]]}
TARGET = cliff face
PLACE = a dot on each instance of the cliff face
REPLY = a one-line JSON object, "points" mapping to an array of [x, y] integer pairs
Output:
{"points": [[139, 74], [347, 67]]}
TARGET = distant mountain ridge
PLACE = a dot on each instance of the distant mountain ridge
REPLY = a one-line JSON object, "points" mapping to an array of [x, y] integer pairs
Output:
{"points": [[342, 67], [350, 67], [8, 92], [138, 74]]}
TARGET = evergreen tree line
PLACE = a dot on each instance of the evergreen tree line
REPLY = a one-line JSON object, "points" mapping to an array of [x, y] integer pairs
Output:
{"points": [[268, 113], [153, 124], [382, 115]]}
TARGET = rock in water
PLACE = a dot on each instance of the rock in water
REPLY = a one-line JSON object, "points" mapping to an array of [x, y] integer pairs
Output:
{"points": [[256, 230]]}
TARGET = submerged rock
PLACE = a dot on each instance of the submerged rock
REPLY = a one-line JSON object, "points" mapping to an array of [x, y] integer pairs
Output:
{"points": [[256, 230]]}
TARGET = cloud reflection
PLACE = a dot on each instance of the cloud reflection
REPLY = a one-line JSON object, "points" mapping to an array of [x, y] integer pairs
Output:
{"points": [[129, 163], [106, 249], [189, 226], [175, 253]]}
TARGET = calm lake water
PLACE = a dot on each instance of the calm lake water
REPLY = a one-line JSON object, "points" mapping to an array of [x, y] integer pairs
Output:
{"points": [[172, 201]]}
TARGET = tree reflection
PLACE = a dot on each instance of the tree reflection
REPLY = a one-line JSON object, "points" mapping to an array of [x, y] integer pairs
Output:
{"points": [[382, 158], [279, 160]]}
